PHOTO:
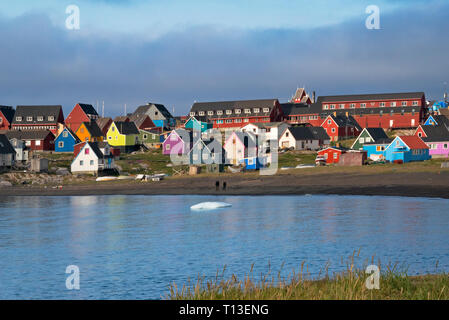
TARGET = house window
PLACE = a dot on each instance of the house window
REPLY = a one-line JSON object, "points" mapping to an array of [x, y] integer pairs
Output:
{"points": [[219, 112], [415, 103], [352, 105], [393, 104], [19, 119], [256, 110], [205, 156], [195, 157], [86, 151], [404, 103], [363, 105], [266, 110], [153, 136], [286, 134], [362, 140], [238, 111], [40, 118], [332, 106], [145, 136], [91, 162], [228, 111], [61, 144], [329, 121], [325, 107], [238, 120], [113, 129], [210, 113], [28, 143], [192, 114], [420, 134], [51, 118], [173, 137], [201, 113], [65, 134], [445, 146], [382, 104], [335, 155], [246, 120], [167, 147], [29, 119], [342, 106], [38, 142], [109, 138], [333, 130], [229, 121], [81, 162]]}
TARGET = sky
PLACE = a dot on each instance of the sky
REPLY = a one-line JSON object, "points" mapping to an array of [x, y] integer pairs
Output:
{"points": [[176, 52]]}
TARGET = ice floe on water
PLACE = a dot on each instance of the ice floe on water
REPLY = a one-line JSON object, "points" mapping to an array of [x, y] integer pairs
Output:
{"points": [[210, 205]]}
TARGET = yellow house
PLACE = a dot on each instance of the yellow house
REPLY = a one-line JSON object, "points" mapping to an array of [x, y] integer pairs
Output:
{"points": [[123, 135], [90, 132]]}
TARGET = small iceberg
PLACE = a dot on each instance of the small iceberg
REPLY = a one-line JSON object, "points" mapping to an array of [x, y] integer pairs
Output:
{"points": [[210, 205]]}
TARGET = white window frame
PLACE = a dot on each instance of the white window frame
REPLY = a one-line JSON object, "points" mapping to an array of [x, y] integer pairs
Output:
{"points": [[228, 111], [219, 112], [238, 111], [256, 110], [266, 110]]}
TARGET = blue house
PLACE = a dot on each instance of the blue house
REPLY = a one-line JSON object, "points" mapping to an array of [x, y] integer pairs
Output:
{"points": [[254, 163], [376, 150], [198, 123], [406, 149], [66, 141], [437, 120]]}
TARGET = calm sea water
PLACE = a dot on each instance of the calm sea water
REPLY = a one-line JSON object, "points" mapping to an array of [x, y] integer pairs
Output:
{"points": [[133, 247]]}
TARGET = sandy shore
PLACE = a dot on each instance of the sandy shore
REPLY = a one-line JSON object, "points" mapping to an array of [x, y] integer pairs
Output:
{"points": [[413, 184]]}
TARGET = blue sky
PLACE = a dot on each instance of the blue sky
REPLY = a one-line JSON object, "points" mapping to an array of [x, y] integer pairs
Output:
{"points": [[174, 52]]}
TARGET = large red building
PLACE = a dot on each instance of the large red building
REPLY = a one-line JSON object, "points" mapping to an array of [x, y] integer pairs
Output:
{"points": [[38, 118], [235, 114], [385, 110], [81, 113]]}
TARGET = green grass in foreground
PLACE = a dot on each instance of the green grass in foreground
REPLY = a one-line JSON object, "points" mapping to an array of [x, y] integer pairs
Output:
{"points": [[348, 285]]}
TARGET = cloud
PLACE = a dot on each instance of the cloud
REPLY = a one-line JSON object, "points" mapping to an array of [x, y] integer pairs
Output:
{"points": [[42, 63]]}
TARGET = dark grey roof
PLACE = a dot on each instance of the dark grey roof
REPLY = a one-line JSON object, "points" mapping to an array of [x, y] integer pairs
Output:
{"points": [[441, 120], [93, 129], [5, 145], [126, 127], [436, 133], [375, 96], [381, 141], [144, 109], [8, 112], [232, 105], [88, 109], [345, 121], [293, 109], [309, 133], [28, 134], [95, 148], [377, 133], [138, 119], [36, 111]]}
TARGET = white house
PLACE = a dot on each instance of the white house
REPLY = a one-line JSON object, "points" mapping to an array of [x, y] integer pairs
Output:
{"points": [[22, 152], [90, 159], [304, 138], [272, 130]]}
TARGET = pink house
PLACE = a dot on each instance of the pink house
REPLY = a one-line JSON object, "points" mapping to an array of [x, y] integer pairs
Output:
{"points": [[436, 138], [179, 142]]}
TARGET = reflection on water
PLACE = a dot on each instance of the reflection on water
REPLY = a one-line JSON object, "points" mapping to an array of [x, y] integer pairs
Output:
{"points": [[133, 247]]}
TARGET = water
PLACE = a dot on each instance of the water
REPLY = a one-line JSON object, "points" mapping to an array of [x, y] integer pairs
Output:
{"points": [[133, 247]]}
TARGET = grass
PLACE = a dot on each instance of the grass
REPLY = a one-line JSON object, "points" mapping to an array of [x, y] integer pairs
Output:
{"points": [[347, 285]]}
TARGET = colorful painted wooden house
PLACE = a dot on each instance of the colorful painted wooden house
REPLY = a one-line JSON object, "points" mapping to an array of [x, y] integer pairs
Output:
{"points": [[158, 113], [437, 120], [150, 138], [180, 142], [240, 145], [7, 153], [6, 117], [369, 135], [304, 138], [376, 150], [198, 123], [123, 135], [66, 141], [436, 138], [406, 149], [206, 152], [331, 154], [89, 131], [36, 140], [340, 127], [38, 118], [82, 112], [91, 160]]}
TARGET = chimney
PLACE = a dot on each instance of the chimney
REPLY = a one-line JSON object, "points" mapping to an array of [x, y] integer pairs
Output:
{"points": [[313, 97]]}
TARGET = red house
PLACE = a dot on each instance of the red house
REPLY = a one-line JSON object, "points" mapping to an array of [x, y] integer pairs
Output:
{"points": [[6, 117], [331, 154], [142, 121], [38, 118], [235, 114], [79, 114], [341, 127], [37, 140]]}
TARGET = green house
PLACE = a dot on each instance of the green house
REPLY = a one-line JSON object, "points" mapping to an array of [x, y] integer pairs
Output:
{"points": [[151, 138], [368, 135]]}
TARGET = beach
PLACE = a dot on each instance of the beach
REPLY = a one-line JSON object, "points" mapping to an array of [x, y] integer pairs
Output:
{"points": [[410, 184]]}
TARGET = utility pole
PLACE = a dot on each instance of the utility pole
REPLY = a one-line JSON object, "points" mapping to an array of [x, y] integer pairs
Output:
{"points": [[103, 110]]}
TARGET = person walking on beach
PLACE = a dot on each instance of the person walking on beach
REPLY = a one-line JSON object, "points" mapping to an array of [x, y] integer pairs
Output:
{"points": [[217, 185], [224, 185]]}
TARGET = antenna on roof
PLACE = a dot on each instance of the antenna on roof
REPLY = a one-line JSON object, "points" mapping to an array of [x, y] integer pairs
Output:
{"points": [[103, 110], [125, 109]]}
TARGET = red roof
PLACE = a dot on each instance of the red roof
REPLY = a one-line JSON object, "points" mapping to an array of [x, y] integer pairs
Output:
{"points": [[414, 142]]}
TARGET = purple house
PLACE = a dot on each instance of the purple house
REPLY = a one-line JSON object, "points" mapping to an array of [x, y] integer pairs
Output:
{"points": [[180, 141]]}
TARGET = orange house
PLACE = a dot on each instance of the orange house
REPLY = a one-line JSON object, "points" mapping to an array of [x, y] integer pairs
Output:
{"points": [[89, 131]]}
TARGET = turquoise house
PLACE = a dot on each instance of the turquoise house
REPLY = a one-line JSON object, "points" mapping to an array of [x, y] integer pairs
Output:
{"points": [[198, 124], [376, 150], [406, 149], [66, 141]]}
